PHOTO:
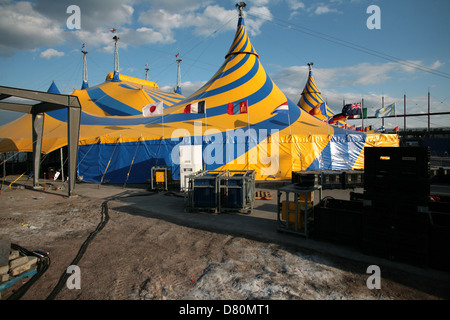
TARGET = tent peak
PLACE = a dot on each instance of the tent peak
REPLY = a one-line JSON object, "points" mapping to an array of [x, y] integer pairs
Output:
{"points": [[241, 43], [241, 6]]}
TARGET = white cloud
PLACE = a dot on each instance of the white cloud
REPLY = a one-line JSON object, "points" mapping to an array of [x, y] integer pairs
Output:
{"points": [[94, 14], [295, 5], [336, 84], [212, 19], [254, 24], [187, 87], [363, 74], [23, 28], [323, 9], [49, 53], [204, 23]]}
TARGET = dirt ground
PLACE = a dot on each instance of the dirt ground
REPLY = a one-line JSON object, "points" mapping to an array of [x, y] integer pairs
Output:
{"points": [[139, 257]]}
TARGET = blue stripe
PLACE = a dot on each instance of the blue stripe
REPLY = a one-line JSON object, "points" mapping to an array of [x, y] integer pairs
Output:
{"points": [[109, 104], [88, 119]]}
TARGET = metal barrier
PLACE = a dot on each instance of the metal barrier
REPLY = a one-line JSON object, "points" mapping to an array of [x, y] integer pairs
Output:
{"points": [[237, 191], [218, 191]]}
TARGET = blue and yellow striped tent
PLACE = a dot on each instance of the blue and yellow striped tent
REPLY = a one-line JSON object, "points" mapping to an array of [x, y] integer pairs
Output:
{"points": [[242, 120], [312, 102]]}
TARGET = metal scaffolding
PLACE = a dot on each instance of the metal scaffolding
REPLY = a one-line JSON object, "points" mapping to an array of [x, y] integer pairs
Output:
{"points": [[47, 102]]}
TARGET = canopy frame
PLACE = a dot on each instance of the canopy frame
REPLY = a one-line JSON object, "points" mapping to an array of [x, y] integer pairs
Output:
{"points": [[47, 102]]}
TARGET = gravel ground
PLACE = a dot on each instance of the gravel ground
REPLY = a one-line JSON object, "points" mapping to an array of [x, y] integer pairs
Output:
{"points": [[139, 257]]}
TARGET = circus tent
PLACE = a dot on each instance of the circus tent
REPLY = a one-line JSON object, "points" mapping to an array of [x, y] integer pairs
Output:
{"points": [[240, 118]]}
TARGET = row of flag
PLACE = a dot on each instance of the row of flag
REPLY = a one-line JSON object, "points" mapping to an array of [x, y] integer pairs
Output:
{"points": [[355, 111], [233, 108]]}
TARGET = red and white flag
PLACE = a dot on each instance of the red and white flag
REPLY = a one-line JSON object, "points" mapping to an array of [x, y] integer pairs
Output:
{"points": [[113, 30], [153, 109]]}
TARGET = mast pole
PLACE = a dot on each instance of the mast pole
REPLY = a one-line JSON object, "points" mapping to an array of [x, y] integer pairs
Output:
{"points": [[146, 71], [428, 109], [85, 73], [179, 73], [404, 112], [116, 54], [241, 6]]}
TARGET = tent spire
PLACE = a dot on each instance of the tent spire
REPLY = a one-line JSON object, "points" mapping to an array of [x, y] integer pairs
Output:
{"points": [[53, 88], [146, 71], [241, 43], [178, 88], [116, 58], [310, 65], [85, 84], [241, 6]]}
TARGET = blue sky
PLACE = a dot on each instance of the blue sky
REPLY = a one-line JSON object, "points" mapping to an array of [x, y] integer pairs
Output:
{"points": [[408, 55]]}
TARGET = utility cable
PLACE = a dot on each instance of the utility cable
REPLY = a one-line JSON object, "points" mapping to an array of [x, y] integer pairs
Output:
{"points": [[63, 279], [42, 266], [350, 45]]}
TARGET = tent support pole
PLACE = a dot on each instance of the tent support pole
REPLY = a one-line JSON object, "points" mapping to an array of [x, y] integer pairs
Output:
{"points": [[38, 132], [73, 127]]}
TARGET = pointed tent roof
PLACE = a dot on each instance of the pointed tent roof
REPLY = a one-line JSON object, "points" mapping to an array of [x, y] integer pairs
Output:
{"points": [[305, 142], [84, 85], [124, 96], [102, 106], [53, 88], [240, 78], [312, 98]]}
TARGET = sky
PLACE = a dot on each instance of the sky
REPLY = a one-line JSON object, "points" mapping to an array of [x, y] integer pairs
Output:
{"points": [[407, 53]]}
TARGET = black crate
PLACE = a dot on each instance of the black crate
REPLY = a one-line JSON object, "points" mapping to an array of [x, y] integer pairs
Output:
{"points": [[398, 238], [353, 179], [305, 178], [339, 221], [356, 196], [440, 239], [395, 188], [400, 161], [332, 179], [440, 207], [403, 209]]}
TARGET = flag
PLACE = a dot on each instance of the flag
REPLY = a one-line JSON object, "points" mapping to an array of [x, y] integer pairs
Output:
{"points": [[381, 129], [336, 118], [385, 111], [237, 108], [112, 30], [283, 108], [315, 110], [396, 129], [153, 109], [359, 128], [196, 107], [176, 56], [352, 110], [368, 128]]}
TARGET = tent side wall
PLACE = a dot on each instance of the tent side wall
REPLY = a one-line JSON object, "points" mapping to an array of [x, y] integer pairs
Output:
{"points": [[273, 157]]}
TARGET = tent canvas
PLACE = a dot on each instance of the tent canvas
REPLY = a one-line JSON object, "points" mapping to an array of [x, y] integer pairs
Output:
{"points": [[116, 147]]}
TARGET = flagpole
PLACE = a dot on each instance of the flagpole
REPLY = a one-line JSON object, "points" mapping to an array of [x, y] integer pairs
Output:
{"points": [[404, 112], [362, 113], [428, 109], [206, 128], [248, 142], [162, 121], [289, 120]]}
